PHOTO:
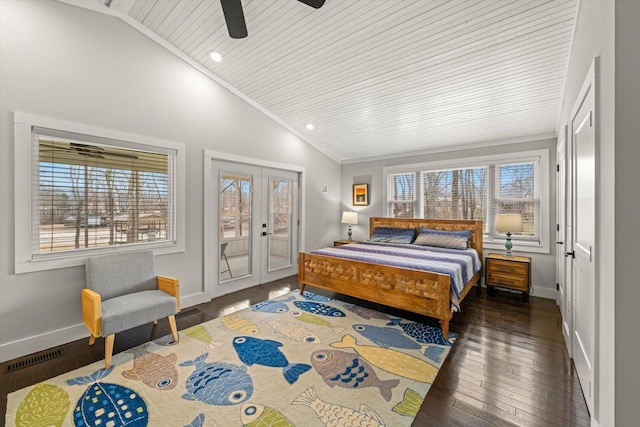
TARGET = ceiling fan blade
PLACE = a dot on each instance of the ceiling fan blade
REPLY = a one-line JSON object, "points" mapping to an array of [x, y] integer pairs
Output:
{"points": [[234, 16], [316, 4]]}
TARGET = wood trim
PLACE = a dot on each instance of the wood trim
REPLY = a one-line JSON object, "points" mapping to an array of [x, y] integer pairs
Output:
{"points": [[171, 286], [91, 311]]}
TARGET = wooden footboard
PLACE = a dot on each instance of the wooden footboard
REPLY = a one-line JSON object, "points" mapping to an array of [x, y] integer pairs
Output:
{"points": [[412, 290], [420, 292]]}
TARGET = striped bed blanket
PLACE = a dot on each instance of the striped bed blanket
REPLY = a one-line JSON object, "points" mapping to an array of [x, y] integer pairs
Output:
{"points": [[459, 265]]}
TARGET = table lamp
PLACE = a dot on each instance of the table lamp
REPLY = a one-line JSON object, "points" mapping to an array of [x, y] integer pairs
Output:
{"points": [[508, 223], [349, 218]]}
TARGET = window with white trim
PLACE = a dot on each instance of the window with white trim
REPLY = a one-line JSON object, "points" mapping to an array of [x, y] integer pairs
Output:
{"points": [[475, 188], [93, 192], [90, 195]]}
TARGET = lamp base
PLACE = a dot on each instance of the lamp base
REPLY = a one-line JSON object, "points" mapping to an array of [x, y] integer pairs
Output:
{"points": [[349, 232], [508, 245]]}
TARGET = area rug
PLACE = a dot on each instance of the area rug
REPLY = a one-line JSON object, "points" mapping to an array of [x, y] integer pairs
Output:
{"points": [[297, 360]]}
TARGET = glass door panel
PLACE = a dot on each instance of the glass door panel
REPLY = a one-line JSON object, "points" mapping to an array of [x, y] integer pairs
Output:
{"points": [[235, 225], [280, 214]]}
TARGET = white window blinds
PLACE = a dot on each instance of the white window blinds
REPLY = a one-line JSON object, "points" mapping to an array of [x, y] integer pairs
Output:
{"points": [[90, 192]]}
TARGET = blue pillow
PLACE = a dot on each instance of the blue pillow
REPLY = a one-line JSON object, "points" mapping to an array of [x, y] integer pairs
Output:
{"points": [[393, 235], [443, 238]]}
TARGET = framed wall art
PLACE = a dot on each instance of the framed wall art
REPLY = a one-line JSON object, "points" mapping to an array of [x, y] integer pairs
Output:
{"points": [[360, 194]]}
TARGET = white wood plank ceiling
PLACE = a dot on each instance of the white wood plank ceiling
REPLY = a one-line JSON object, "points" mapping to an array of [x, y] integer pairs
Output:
{"points": [[382, 77]]}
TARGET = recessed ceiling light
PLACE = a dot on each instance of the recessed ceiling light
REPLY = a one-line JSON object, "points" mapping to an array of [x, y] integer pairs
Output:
{"points": [[216, 56], [310, 126]]}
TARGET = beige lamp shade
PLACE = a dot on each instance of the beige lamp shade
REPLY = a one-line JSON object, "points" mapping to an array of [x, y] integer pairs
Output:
{"points": [[349, 217], [509, 223]]}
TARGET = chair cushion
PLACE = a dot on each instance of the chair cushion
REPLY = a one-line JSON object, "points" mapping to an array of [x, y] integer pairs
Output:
{"points": [[131, 310], [121, 273]]}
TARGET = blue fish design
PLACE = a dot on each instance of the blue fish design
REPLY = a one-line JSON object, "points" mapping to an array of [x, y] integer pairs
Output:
{"points": [[217, 383], [197, 421], [319, 308], [423, 333], [315, 297], [386, 337], [257, 351], [273, 306], [108, 404]]}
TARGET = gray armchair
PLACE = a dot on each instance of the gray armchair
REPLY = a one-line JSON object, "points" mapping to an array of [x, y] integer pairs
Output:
{"points": [[123, 292]]}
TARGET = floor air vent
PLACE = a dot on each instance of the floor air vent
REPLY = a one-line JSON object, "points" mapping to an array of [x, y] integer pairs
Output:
{"points": [[25, 362]]}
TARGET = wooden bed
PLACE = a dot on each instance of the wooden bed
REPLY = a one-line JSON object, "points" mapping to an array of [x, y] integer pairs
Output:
{"points": [[421, 292]]}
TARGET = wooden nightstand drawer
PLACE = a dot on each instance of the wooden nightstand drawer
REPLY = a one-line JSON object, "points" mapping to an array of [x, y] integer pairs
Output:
{"points": [[507, 267], [515, 282], [512, 272]]}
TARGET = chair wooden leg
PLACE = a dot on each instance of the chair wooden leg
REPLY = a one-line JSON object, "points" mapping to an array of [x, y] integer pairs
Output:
{"points": [[92, 339], [108, 350], [174, 329], [155, 322]]}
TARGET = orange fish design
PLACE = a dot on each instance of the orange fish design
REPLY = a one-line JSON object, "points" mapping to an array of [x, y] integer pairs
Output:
{"points": [[153, 370]]}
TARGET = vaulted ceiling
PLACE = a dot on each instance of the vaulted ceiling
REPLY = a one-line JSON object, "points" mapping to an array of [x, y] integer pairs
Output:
{"points": [[381, 77]]}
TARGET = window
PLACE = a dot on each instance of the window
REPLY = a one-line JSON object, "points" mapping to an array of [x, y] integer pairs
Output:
{"points": [[478, 188], [92, 194]]}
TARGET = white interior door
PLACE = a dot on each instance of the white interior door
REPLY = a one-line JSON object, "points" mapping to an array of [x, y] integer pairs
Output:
{"points": [[257, 223], [563, 262], [584, 210]]}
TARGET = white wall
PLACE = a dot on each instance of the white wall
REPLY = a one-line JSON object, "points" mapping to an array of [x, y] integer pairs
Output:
{"points": [[543, 277], [72, 64]]}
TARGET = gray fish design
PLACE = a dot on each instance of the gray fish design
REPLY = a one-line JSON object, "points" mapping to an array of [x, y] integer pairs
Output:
{"points": [[347, 370], [386, 337], [365, 313], [217, 383]]}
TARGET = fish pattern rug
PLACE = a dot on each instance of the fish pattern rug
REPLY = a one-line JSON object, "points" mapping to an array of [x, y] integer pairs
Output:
{"points": [[297, 360]]}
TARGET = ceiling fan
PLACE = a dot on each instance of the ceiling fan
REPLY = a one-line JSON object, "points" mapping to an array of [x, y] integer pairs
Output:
{"points": [[234, 16]]}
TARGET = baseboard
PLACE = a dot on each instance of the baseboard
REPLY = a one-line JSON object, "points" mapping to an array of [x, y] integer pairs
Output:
{"points": [[23, 347], [29, 345], [548, 293]]}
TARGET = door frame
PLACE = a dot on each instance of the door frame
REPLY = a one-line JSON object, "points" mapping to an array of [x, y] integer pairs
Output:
{"points": [[564, 297], [210, 235]]}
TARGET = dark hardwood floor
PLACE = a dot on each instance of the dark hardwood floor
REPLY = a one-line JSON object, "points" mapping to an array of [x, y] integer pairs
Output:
{"points": [[508, 367]]}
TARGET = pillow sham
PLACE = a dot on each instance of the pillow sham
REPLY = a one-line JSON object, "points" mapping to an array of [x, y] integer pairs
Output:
{"points": [[393, 235], [443, 238]]}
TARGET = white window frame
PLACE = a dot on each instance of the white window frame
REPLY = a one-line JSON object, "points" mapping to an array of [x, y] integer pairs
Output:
{"points": [[25, 260], [490, 241]]}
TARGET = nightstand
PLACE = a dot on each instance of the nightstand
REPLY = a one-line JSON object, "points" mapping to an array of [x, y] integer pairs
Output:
{"points": [[342, 242], [511, 272]]}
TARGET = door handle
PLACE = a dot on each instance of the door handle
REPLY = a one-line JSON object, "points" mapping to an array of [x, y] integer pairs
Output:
{"points": [[264, 233], [559, 243], [571, 254]]}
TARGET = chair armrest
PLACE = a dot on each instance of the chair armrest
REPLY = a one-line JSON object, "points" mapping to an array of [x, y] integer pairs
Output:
{"points": [[92, 311], [171, 286]]}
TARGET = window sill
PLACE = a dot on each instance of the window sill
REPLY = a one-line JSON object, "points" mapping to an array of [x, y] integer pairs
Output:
{"points": [[518, 247]]}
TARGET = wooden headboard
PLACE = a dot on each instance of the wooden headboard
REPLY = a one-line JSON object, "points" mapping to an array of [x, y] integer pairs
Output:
{"points": [[475, 241]]}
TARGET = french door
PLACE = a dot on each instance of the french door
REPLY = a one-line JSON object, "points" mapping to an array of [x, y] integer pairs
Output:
{"points": [[257, 223]]}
